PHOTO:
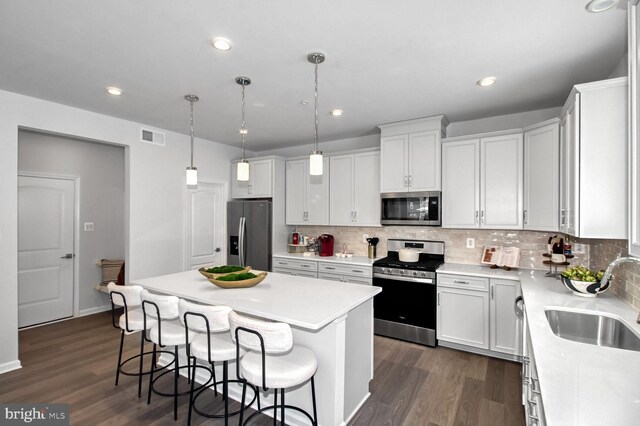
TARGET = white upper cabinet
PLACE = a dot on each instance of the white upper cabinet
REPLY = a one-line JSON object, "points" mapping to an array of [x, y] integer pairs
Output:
{"points": [[541, 176], [260, 183], [482, 183], [410, 155], [307, 197], [634, 115], [501, 176], [461, 184], [355, 195], [593, 161]]}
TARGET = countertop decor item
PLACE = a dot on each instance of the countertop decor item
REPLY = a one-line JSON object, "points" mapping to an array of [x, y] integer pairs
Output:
{"points": [[250, 280], [223, 270], [583, 282]]}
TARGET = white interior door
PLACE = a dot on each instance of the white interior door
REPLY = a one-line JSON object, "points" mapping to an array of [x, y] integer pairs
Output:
{"points": [[45, 249], [205, 225]]}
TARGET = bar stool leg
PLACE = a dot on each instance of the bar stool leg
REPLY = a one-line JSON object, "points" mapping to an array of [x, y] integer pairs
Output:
{"points": [[176, 373], [119, 356], [193, 380], [141, 359], [225, 390], [213, 371], [275, 406], [313, 396], [244, 394], [153, 367], [282, 407]]}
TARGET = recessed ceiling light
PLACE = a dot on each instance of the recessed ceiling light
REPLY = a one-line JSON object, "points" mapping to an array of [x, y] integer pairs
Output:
{"points": [[336, 112], [115, 91], [487, 81], [221, 43], [596, 6]]}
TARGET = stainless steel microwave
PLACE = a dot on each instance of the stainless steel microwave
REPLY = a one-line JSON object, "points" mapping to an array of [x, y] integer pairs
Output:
{"points": [[411, 208]]}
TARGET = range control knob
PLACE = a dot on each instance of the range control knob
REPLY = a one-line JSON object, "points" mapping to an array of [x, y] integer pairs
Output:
{"points": [[415, 273], [401, 272]]}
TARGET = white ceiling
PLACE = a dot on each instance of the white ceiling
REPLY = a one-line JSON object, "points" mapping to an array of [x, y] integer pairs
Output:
{"points": [[387, 60]]}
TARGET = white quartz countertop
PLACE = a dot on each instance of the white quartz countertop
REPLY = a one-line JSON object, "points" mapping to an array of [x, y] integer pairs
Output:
{"points": [[581, 384], [352, 261], [307, 303]]}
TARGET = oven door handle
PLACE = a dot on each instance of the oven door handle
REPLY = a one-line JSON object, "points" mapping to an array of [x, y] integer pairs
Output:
{"points": [[428, 281]]}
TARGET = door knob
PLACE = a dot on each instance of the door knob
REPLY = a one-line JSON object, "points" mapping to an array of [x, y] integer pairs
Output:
{"points": [[67, 256], [217, 250]]}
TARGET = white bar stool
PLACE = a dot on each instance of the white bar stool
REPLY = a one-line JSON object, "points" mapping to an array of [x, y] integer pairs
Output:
{"points": [[168, 331], [271, 361], [208, 340], [132, 321]]}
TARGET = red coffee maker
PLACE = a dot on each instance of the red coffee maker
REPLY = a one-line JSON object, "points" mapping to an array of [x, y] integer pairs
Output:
{"points": [[325, 245]]}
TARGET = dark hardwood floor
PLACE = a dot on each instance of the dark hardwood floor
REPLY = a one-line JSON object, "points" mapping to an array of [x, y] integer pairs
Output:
{"points": [[74, 361]]}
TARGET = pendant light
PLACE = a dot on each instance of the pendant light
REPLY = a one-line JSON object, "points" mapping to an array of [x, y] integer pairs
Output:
{"points": [[315, 159], [243, 165], [192, 172]]}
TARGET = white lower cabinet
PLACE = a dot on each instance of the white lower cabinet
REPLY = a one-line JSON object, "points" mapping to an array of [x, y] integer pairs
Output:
{"points": [[463, 317], [298, 268], [345, 273], [531, 394], [326, 270], [505, 326], [477, 312]]}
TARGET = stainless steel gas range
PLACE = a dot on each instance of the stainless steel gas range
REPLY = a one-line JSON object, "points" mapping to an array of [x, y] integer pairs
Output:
{"points": [[406, 307]]}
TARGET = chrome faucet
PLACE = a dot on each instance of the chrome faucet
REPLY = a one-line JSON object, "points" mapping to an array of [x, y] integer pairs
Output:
{"points": [[607, 274]]}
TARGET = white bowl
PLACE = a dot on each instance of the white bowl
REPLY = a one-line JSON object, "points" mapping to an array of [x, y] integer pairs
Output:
{"points": [[584, 288]]}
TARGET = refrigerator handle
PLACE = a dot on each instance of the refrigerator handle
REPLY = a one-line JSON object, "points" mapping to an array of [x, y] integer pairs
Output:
{"points": [[241, 240]]}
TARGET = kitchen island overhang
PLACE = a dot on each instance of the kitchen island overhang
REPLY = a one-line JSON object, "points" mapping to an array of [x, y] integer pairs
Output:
{"points": [[333, 319]]}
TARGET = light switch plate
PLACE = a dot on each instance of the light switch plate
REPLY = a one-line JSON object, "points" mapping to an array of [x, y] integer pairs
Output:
{"points": [[471, 242], [88, 226]]}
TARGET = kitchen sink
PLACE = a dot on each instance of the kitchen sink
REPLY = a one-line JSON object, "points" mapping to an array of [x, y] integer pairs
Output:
{"points": [[593, 329]]}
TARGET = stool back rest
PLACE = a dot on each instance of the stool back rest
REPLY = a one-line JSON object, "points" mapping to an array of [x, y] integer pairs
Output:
{"points": [[217, 317], [128, 296], [276, 336], [166, 307]]}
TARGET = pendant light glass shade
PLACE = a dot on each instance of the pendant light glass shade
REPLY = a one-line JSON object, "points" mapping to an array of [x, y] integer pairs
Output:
{"points": [[315, 163], [243, 166], [243, 171], [315, 158], [192, 172], [192, 176]]}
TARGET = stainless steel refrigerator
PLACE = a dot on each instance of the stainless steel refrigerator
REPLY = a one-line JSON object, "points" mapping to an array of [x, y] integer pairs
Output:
{"points": [[249, 231]]}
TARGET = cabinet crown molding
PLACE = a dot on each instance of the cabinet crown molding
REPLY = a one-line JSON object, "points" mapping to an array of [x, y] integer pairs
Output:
{"points": [[436, 122], [482, 135], [594, 85]]}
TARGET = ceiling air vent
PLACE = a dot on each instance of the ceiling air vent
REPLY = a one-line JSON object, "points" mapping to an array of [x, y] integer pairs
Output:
{"points": [[152, 136]]}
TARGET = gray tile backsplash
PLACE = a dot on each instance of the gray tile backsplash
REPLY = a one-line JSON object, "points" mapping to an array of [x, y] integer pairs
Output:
{"points": [[532, 244]]}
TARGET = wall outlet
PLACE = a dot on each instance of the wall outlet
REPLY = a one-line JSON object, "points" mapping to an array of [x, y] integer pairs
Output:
{"points": [[364, 237], [88, 226], [471, 242]]}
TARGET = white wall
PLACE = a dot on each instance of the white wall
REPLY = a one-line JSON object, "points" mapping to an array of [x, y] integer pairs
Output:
{"points": [[154, 183], [502, 122], [622, 68], [100, 168]]}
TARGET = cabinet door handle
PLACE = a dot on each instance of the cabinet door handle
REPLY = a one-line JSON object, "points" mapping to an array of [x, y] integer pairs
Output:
{"points": [[282, 263], [359, 271], [329, 267], [355, 216], [563, 216], [524, 216], [482, 216], [304, 265], [410, 178], [476, 217], [491, 292], [460, 282], [438, 299], [406, 181]]}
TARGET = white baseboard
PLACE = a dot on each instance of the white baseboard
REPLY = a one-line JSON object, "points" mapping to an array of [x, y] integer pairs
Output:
{"points": [[10, 366], [94, 310]]}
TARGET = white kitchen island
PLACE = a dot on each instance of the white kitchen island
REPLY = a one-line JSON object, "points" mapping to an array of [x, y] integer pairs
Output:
{"points": [[333, 319]]}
